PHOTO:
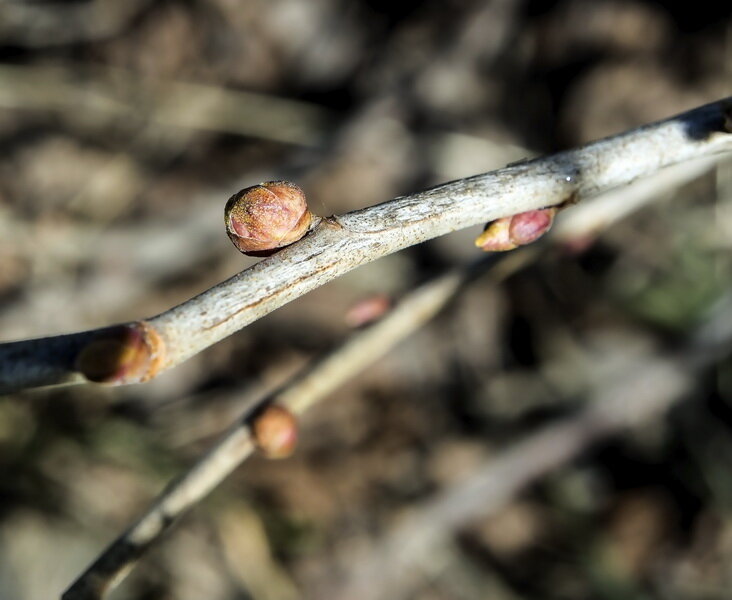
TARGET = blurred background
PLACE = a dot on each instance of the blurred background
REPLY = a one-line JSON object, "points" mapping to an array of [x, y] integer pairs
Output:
{"points": [[124, 128]]}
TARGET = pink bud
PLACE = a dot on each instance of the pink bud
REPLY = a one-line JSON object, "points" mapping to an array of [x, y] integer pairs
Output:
{"points": [[262, 218], [529, 226], [275, 431], [507, 233]]}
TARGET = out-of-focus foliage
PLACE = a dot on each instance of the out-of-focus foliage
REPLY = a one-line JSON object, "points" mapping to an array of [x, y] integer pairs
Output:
{"points": [[124, 131]]}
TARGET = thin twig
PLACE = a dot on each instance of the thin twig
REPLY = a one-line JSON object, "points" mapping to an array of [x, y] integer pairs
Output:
{"points": [[320, 379], [337, 245]]}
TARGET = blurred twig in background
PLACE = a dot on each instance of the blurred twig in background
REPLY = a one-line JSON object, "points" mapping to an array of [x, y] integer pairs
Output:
{"points": [[47, 24], [117, 98]]}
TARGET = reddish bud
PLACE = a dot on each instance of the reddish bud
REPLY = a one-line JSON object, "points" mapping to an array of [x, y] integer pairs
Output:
{"points": [[530, 226], [275, 431], [262, 218], [368, 310], [124, 354], [518, 230]]}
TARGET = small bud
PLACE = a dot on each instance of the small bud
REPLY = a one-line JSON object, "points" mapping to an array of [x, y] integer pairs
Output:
{"points": [[368, 310], [124, 354], [530, 226], [275, 431], [496, 236], [262, 218], [518, 230]]}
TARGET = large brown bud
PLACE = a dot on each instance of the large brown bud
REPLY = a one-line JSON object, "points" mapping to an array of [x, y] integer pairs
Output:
{"points": [[262, 218]]}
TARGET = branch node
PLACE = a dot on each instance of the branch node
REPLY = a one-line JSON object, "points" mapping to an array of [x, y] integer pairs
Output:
{"points": [[508, 233], [130, 353], [332, 222]]}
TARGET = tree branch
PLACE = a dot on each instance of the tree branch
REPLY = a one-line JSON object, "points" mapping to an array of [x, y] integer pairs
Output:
{"points": [[337, 245], [325, 375]]}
